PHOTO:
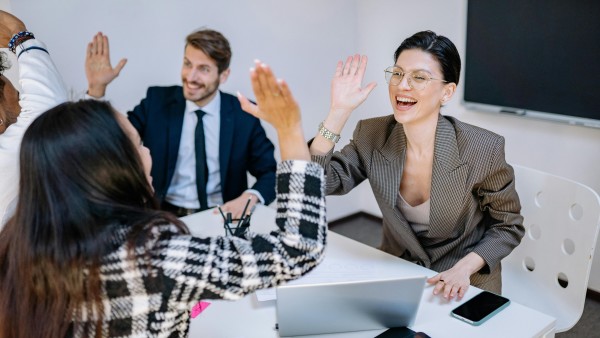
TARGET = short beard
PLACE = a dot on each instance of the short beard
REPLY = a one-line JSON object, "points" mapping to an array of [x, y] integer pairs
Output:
{"points": [[207, 95]]}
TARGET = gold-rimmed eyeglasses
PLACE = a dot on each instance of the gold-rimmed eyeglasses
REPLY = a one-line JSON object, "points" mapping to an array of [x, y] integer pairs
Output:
{"points": [[417, 79]]}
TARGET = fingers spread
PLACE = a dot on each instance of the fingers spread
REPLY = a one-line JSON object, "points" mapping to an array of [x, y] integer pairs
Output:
{"points": [[339, 68], [98, 43], [120, 65], [354, 64], [346, 70], [105, 45], [363, 65]]}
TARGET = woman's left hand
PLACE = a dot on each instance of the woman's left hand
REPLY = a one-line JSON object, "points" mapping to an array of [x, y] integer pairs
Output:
{"points": [[451, 283], [455, 281]]}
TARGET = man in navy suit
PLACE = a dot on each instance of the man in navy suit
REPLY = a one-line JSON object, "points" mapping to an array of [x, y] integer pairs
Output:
{"points": [[234, 142]]}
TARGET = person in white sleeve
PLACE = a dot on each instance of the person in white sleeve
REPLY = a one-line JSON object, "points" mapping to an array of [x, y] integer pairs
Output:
{"points": [[42, 89]]}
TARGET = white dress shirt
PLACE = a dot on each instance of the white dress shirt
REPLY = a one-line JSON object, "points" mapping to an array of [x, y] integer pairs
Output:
{"points": [[182, 191], [41, 89]]}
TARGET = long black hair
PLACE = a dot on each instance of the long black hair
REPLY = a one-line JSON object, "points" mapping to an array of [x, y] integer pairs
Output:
{"points": [[81, 179]]}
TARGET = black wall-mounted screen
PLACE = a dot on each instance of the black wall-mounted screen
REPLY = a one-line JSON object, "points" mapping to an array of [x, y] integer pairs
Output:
{"points": [[539, 58]]}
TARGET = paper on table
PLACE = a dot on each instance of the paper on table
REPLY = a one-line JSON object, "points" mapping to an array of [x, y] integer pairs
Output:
{"points": [[266, 295], [327, 272]]}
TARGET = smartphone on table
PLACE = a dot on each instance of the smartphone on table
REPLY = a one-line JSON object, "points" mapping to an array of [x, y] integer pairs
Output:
{"points": [[480, 308]]}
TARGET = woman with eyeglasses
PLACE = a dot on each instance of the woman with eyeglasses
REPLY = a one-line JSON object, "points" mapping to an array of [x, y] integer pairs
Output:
{"points": [[446, 193], [88, 252]]}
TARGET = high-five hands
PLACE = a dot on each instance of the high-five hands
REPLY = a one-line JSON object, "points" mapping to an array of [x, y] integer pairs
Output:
{"points": [[98, 69], [277, 106], [347, 92], [9, 26]]}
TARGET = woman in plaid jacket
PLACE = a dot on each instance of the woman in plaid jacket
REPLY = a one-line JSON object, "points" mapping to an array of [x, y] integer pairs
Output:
{"points": [[89, 254]]}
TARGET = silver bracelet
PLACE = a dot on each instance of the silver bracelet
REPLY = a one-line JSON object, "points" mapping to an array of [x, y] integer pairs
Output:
{"points": [[328, 134]]}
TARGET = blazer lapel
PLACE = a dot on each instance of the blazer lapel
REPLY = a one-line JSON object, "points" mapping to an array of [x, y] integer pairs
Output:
{"points": [[448, 182], [387, 173], [389, 162], [225, 136], [176, 110]]}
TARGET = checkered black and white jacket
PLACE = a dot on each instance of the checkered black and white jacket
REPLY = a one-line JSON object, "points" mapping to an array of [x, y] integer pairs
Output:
{"points": [[153, 297]]}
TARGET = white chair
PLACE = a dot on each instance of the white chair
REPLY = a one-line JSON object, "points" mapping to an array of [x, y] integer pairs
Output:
{"points": [[549, 270]]}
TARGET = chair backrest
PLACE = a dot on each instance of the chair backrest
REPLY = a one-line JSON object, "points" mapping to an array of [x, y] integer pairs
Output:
{"points": [[549, 270]]}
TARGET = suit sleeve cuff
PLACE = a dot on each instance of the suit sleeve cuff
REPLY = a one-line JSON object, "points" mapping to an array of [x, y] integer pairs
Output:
{"points": [[257, 194]]}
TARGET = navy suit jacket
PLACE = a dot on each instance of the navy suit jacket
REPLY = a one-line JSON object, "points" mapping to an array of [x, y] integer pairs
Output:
{"points": [[243, 144]]}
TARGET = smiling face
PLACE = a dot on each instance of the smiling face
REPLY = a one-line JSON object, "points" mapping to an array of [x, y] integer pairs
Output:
{"points": [[200, 76], [412, 105]]}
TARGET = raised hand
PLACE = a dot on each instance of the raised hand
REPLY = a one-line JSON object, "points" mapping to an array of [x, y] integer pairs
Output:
{"points": [[347, 92], [98, 69], [277, 106], [9, 26]]}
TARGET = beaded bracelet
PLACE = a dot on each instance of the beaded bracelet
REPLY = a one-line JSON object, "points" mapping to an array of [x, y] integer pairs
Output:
{"points": [[18, 38]]}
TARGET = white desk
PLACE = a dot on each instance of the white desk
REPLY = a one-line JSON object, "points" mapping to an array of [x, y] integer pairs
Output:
{"points": [[347, 259]]}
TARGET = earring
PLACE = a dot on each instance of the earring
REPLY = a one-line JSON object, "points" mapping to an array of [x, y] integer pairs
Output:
{"points": [[1, 121]]}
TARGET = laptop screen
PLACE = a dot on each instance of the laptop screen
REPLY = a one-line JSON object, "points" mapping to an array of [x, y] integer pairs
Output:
{"points": [[348, 306]]}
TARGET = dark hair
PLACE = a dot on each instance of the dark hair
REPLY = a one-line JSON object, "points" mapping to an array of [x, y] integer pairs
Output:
{"points": [[4, 65], [213, 44], [81, 180], [440, 47]]}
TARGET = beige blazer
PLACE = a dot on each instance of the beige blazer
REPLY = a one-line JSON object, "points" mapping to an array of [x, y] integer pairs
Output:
{"points": [[474, 205]]}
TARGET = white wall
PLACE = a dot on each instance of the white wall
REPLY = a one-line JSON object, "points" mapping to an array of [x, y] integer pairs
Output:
{"points": [[12, 72], [302, 40]]}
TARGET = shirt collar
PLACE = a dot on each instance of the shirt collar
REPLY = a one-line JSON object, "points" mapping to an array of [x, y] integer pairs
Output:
{"points": [[211, 108]]}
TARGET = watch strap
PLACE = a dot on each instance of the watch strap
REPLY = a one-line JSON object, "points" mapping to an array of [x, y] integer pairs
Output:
{"points": [[328, 134]]}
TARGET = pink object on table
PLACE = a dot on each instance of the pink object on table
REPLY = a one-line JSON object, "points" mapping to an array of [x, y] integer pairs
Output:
{"points": [[198, 308]]}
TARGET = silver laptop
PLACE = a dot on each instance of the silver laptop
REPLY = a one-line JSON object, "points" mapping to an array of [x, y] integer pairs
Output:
{"points": [[348, 306]]}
